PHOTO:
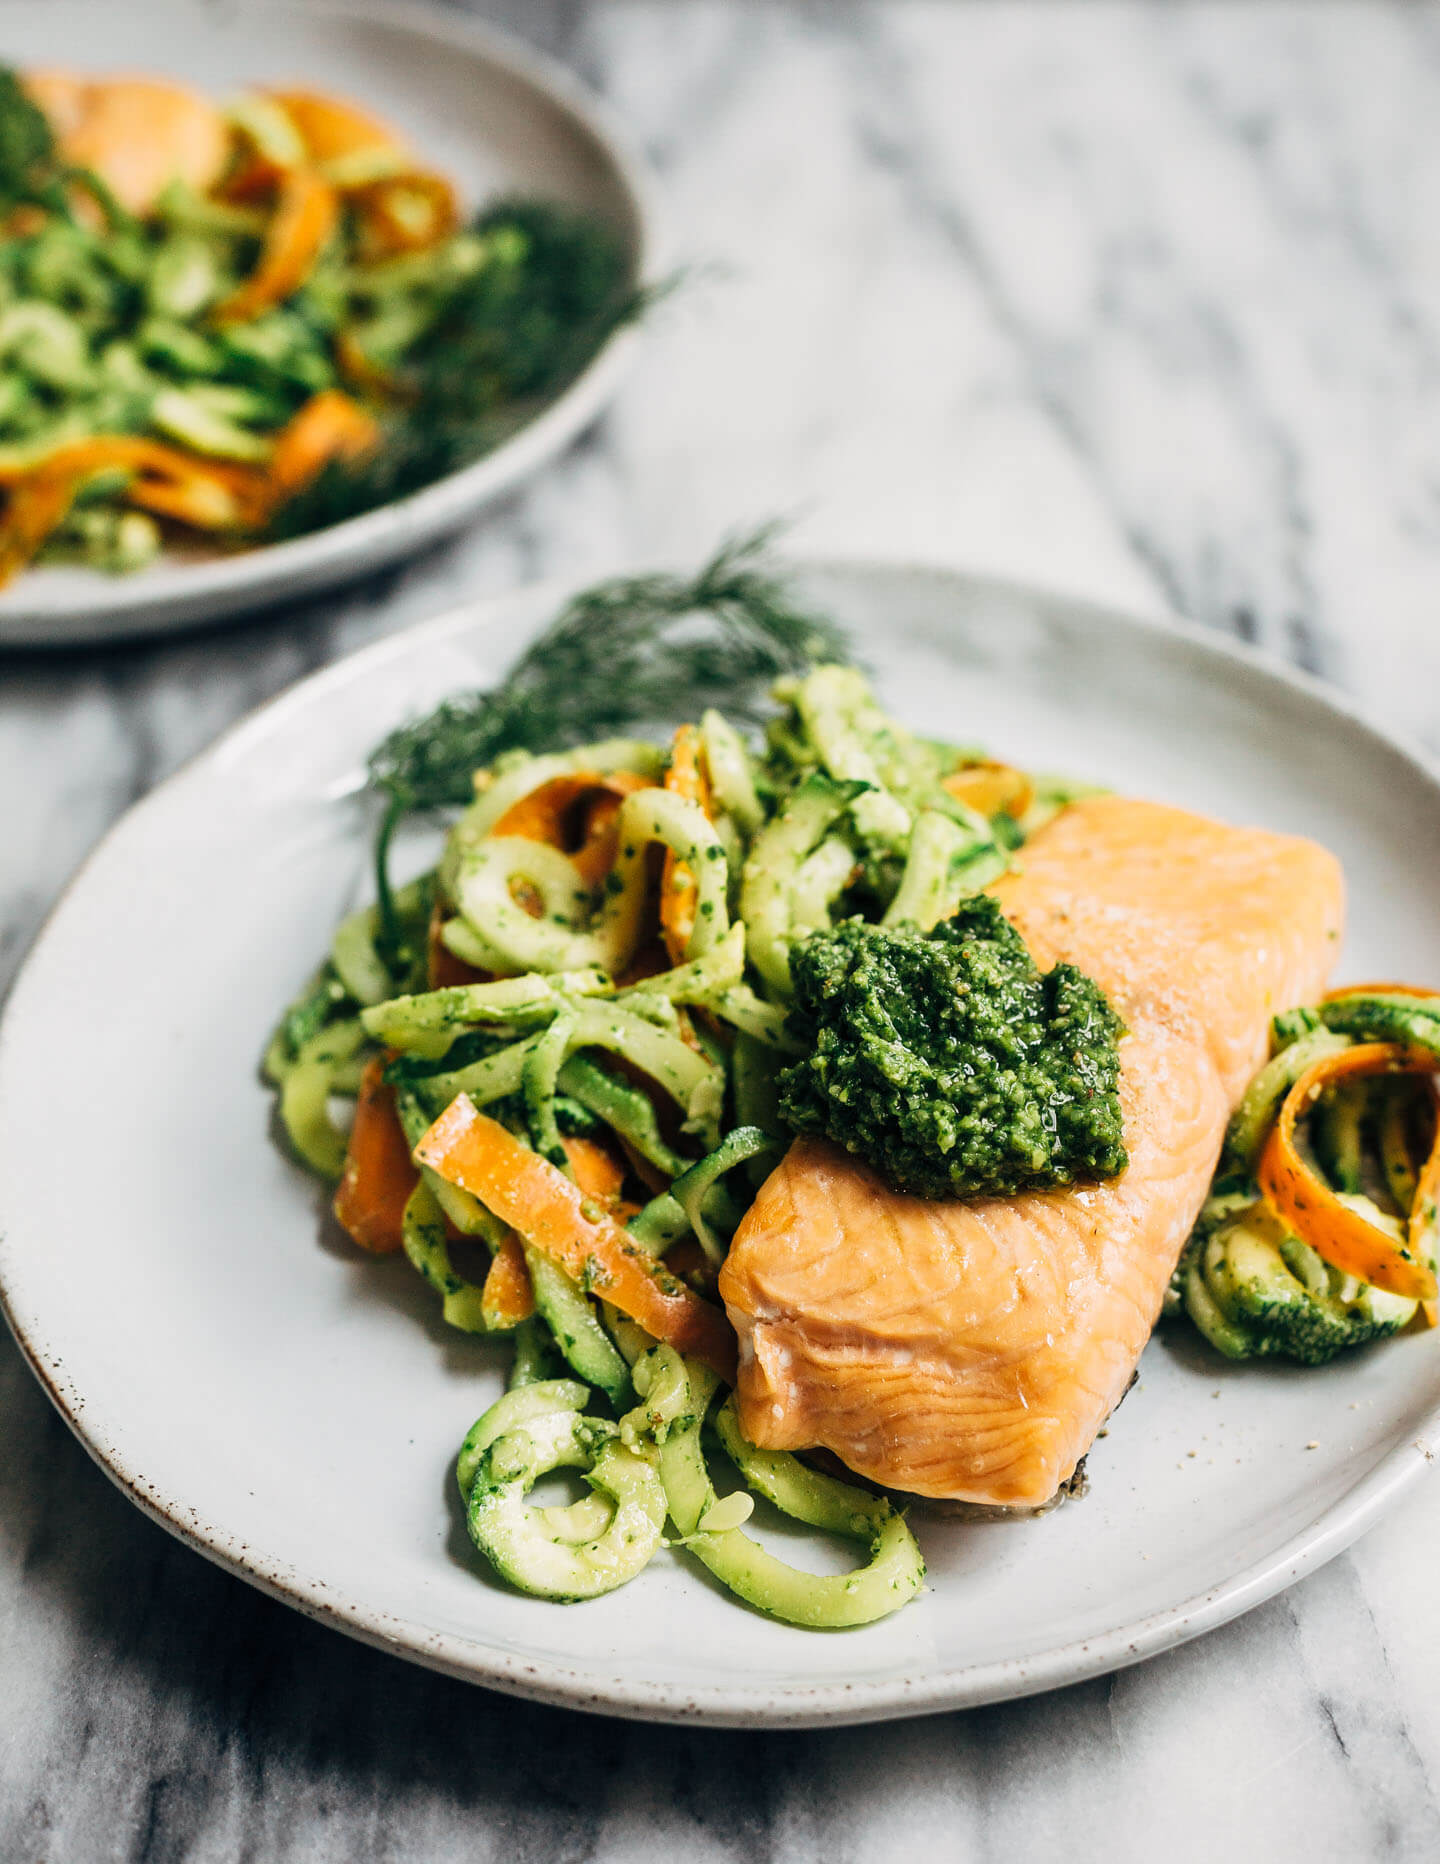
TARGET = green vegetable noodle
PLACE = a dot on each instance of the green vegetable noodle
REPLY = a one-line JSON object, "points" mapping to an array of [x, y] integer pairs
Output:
{"points": [[1255, 1291]]}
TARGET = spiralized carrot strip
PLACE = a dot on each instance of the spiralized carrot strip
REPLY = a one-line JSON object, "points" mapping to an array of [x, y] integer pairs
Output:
{"points": [[330, 426], [378, 1178], [133, 452], [307, 207], [1305, 1202], [398, 206], [679, 893], [332, 128], [991, 787], [204, 501], [208, 494], [548, 812], [405, 212], [36, 507], [507, 1297], [1424, 1227], [1378, 990], [360, 369], [467, 1148], [595, 1169]]}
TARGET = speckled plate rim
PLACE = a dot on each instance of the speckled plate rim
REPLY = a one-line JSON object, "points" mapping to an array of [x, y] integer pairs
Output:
{"points": [[1334, 1528], [192, 595]]}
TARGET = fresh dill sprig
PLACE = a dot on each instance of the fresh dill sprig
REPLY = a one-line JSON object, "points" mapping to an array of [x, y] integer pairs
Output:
{"points": [[634, 651], [32, 173], [28, 163], [556, 284]]}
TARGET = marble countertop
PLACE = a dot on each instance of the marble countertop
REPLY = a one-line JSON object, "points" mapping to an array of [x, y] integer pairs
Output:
{"points": [[1142, 301]]}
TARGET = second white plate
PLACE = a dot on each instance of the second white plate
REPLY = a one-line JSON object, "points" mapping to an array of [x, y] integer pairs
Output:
{"points": [[293, 1410], [484, 109]]}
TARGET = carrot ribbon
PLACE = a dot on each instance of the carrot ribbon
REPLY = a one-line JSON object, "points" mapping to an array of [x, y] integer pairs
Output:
{"points": [[576, 813], [679, 892], [991, 787], [378, 1177], [211, 495], [467, 1148], [507, 1297], [1306, 1203]]}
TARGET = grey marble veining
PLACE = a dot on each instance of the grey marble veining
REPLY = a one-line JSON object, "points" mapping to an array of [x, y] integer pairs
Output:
{"points": [[1138, 300]]}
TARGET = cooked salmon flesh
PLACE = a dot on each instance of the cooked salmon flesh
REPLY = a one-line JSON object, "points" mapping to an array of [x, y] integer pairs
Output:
{"points": [[971, 1350]]}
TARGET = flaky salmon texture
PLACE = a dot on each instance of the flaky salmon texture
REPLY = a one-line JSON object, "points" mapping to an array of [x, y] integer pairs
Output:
{"points": [[971, 1350]]}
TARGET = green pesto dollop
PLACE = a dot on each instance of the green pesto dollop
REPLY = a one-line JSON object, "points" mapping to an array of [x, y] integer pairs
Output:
{"points": [[949, 1062]]}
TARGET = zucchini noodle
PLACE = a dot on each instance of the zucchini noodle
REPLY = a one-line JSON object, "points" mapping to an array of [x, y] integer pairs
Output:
{"points": [[778, 854], [849, 732], [694, 1191], [732, 776], [570, 1553], [947, 860], [321, 1069], [629, 1112], [423, 1233], [890, 1578], [358, 964], [819, 881], [585, 1345], [689, 1078], [563, 936], [426, 1025]]}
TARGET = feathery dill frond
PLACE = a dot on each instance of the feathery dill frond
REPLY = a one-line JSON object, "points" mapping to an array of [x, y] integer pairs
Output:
{"points": [[27, 148], [506, 339], [635, 651], [32, 171]]}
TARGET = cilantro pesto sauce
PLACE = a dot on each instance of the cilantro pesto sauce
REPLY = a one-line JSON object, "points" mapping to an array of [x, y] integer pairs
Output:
{"points": [[949, 1062]]}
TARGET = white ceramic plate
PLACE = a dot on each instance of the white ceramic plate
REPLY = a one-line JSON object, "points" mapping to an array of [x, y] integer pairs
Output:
{"points": [[292, 1410], [496, 116]]}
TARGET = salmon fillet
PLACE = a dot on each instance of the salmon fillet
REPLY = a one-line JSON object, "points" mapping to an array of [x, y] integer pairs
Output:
{"points": [[971, 1349]]}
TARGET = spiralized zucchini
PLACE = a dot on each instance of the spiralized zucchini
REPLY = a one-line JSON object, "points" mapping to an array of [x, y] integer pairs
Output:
{"points": [[651, 1465], [571, 1553], [773, 914], [563, 935], [687, 1076], [423, 1233], [893, 1574], [321, 1069], [1305, 1250], [947, 860]]}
